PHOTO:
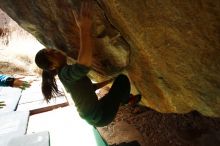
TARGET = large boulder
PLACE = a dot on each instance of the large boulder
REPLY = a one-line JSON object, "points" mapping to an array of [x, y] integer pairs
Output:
{"points": [[169, 48], [53, 24]]}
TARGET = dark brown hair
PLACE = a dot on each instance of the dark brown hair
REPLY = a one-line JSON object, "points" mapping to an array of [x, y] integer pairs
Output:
{"points": [[49, 85]]}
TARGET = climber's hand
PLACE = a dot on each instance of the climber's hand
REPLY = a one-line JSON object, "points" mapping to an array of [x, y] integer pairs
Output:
{"points": [[83, 19], [2, 104]]}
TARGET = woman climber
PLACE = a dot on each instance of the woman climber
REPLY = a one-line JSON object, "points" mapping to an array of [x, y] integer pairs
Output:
{"points": [[74, 77]]}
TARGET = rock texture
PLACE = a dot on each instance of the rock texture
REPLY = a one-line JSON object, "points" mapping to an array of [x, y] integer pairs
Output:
{"points": [[175, 49], [53, 24], [151, 128], [169, 48]]}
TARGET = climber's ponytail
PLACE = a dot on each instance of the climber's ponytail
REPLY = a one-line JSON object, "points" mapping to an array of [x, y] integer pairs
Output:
{"points": [[49, 85]]}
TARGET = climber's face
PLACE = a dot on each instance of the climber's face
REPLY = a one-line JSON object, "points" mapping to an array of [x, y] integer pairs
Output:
{"points": [[56, 58], [50, 59]]}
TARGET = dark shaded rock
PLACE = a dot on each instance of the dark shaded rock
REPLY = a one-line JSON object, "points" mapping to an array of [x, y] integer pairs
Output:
{"points": [[53, 24]]}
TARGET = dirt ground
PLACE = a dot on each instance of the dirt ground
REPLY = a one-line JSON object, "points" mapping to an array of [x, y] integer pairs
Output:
{"points": [[151, 128]]}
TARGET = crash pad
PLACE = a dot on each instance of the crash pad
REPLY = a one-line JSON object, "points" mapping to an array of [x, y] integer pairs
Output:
{"points": [[65, 125], [11, 97], [32, 99], [12, 124], [34, 139]]}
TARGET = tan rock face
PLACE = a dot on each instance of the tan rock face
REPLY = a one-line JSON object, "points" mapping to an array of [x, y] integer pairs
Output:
{"points": [[172, 46], [175, 49]]}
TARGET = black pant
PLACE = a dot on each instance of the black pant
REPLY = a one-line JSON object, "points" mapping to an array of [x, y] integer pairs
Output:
{"points": [[119, 93]]}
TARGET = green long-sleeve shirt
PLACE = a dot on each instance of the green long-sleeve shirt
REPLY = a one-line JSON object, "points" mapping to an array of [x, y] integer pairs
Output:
{"points": [[75, 80]]}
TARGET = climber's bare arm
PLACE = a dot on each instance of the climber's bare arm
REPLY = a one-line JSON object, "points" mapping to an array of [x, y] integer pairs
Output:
{"points": [[84, 22]]}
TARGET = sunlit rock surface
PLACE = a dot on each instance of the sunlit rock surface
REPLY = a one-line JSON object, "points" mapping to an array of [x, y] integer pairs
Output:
{"points": [[169, 48]]}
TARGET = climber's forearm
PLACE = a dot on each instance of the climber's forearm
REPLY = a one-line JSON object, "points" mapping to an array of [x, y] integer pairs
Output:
{"points": [[84, 22], [86, 47]]}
